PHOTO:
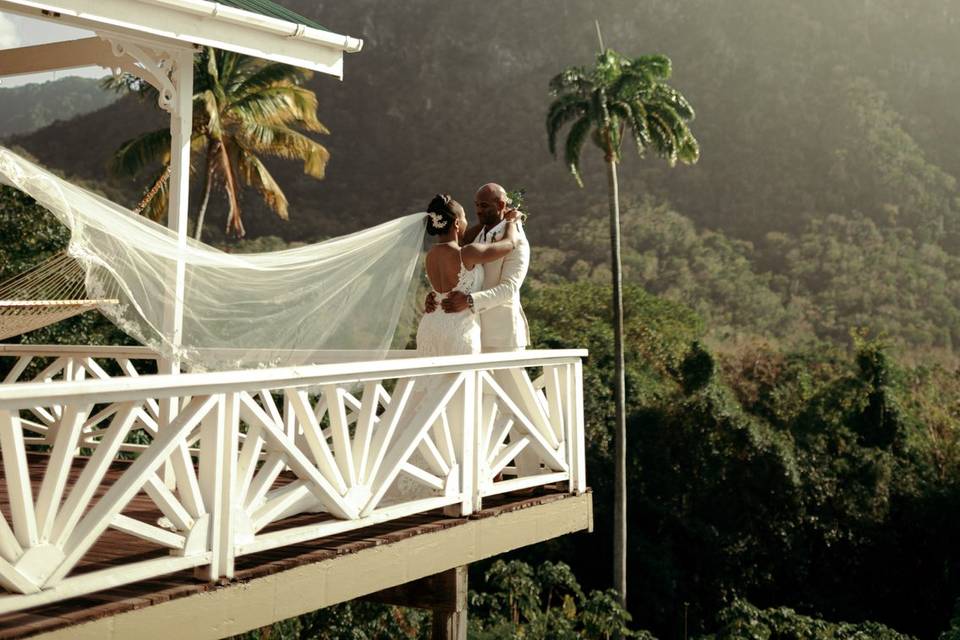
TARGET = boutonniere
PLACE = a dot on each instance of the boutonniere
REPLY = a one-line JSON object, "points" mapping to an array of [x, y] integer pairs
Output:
{"points": [[515, 200]]}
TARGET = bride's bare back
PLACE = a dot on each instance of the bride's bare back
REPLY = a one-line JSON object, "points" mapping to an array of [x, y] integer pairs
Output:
{"points": [[444, 260], [443, 267]]}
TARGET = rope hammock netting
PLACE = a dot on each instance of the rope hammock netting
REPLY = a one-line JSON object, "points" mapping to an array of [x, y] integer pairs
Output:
{"points": [[49, 292], [238, 310]]}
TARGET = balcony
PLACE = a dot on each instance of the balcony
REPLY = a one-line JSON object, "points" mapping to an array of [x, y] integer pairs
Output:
{"points": [[115, 475]]}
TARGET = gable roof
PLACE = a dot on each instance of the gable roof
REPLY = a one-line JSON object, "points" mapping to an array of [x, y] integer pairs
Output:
{"points": [[258, 28]]}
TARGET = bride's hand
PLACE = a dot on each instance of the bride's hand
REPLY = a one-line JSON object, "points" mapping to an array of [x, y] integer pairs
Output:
{"points": [[511, 215]]}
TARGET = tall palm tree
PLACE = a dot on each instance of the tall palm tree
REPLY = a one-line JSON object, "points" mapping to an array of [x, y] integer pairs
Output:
{"points": [[244, 108], [617, 95]]}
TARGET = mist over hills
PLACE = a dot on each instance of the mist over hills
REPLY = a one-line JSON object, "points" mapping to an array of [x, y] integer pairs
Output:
{"points": [[29, 107], [820, 123]]}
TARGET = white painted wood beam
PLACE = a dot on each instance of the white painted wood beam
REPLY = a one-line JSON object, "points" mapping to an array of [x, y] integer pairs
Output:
{"points": [[201, 23], [55, 56]]}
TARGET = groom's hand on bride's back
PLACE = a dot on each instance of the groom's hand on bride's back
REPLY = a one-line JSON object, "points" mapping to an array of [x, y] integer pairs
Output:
{"points": [[430, 304], [455, 302]]}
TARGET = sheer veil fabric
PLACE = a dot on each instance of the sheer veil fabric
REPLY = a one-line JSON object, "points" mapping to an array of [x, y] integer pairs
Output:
{"points": [[297, 306]]}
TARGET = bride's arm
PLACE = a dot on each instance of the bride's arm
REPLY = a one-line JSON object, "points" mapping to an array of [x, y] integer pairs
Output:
{"points": [[474, 254], [471, 234]]}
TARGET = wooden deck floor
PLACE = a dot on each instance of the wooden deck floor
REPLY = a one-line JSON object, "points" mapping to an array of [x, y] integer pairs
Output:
{"points": [[117, 548]]}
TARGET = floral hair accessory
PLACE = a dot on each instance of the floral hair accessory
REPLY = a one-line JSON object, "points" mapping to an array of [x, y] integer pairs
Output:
{"points": [[436, 220]]}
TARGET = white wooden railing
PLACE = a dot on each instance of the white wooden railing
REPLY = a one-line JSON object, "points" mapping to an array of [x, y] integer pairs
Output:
{"points": [[364, 442]]}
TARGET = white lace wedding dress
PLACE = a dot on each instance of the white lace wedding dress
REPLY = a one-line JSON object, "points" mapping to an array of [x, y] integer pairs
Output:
{"points": [[448, 334], [440, 334]]}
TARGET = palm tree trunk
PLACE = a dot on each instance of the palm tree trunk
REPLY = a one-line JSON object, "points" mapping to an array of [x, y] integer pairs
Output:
{"points": [[207, 188], [234, 223], [620, 438]]}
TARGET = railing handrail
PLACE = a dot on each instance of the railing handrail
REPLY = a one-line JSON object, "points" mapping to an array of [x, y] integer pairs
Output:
{"points": [[29, 394], [133, 352], [139, 352]]}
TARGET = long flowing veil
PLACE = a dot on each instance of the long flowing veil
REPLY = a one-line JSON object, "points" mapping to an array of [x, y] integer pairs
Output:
{"points": [[338, 299]]}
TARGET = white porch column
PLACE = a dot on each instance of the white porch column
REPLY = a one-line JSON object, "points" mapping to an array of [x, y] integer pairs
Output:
{"points": [[181, 128]]}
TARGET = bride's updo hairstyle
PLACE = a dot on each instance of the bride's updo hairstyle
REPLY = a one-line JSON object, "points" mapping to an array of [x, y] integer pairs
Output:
{"points": [[441, 214]]}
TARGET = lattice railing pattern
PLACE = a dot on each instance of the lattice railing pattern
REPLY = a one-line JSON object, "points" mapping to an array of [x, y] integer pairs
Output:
{"points": [[239, 453], [32, 363]]}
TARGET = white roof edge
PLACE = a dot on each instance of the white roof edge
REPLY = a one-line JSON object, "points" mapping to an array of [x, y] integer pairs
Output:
{"points": [[226, 13], [201, 22]]}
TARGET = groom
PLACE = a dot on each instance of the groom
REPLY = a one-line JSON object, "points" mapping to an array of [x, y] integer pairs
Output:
{"points": [[503, 326]]}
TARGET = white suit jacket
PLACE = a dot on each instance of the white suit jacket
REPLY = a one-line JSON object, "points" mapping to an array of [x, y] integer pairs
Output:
{"points": [[503, 324]]}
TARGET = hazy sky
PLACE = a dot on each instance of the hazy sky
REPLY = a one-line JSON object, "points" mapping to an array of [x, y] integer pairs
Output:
{"points": [[16, 31]]}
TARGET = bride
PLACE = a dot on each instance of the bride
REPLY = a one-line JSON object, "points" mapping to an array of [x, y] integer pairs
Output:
{"points": [[453, 267], [449, 267]]}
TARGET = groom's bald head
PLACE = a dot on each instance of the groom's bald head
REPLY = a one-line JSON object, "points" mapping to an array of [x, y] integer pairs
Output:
{"points": [[491, 202], [492, 190]]}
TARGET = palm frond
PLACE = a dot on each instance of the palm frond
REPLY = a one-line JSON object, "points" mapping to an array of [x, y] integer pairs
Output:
{"points": [[255, 174], [662, 138], [598, 106], [212, 66], [210, 112], [689, 151], [128, 83], [135, 155], [562, 110], [666, 94], [638, 125], [212, 77], [576, 137], [283, 105], [576, 79], [271, 75], [673, 120], [234, 68], [629, 86], [656, 65], [286, 143]]}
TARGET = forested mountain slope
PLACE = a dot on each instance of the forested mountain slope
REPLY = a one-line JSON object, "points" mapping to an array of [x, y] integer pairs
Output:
{"points": [[32, 106], [828, 134]]}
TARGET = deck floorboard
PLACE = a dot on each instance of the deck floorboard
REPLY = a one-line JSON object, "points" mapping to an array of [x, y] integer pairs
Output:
{"points": [[114, 548]]}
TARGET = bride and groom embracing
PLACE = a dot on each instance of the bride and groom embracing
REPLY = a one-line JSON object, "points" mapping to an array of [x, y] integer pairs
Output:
{"points": [[475, 274]]}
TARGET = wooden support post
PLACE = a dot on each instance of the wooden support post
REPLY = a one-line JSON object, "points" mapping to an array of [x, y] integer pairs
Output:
{"points": [[462, 412], [578, 460], [444, 594], [181, 130], [218, 479]]}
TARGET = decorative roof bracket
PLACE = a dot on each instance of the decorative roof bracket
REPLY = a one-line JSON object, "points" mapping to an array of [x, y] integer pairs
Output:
{"points": [[150, 65]]}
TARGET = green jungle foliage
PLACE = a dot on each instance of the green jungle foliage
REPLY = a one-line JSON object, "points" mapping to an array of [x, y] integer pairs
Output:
{"points": [[795, 289], [825, 197], [743, 621], [796, 477], [780, 476], [792, 302]]}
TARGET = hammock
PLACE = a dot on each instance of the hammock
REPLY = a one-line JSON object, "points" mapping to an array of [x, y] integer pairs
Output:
{"points": [[44, 294]]}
